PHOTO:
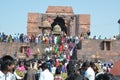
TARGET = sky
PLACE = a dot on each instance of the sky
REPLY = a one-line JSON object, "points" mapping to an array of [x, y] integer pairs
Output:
{"points": [[104, 14]]}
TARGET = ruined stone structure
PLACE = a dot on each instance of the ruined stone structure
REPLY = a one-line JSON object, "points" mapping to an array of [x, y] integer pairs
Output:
{"points": [[70, 23], [63, 19]]}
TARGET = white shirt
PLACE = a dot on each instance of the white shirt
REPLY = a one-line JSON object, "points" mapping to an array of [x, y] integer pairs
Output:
{"points": [[47, 49], [2, 76], [53, 70], [9, 76], [90, 74], [46, 75], [51, 48]]}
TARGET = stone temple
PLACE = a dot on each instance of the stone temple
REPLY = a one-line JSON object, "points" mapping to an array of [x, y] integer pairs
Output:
{"points": [[59, 20], [62, 17]]}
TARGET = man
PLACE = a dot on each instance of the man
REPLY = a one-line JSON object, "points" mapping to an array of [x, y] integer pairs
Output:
{"points": [[7, 65], [89, 72], [72, 72], [30, 75], [46, 74]]}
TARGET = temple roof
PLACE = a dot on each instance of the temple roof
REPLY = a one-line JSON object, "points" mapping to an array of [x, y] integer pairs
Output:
{"points": [[59, 9]]}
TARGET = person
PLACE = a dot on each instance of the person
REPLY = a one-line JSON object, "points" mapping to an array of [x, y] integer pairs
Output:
{"points": [[30, 75], [28, 52], [20, 69], [37, 75], [58, 74], [97, 69], [7, 65], [12, 75], [53, 69], [46, 74], [21, 66], [72, 72], [47, 50], [89, 72]]}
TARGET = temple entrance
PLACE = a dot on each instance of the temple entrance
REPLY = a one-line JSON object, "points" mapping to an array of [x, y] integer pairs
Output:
{"points": [[59, 21]]}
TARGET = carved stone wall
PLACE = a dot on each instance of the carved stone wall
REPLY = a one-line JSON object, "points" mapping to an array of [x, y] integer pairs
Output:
{"points": [[76, 24]]}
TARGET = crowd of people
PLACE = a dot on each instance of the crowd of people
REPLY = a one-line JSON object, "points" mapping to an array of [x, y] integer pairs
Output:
{"points": [[49, 69], [39, 38], [28, 38], [58, 62], [61, 45]]}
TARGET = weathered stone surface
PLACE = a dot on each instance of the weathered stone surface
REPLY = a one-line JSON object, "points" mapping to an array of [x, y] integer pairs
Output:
{"points": [[84, 28], [33, 17], [93, 49], [84, 23], [33, 24], [59, 9], [84, 19], [11, 48]]}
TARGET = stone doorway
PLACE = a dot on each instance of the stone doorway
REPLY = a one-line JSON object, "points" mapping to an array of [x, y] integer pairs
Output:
{"points": [[61, 22]]}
